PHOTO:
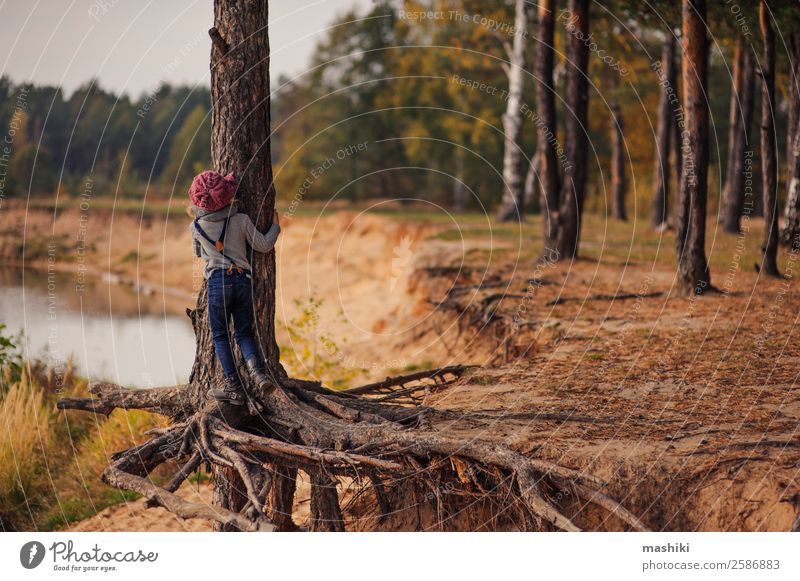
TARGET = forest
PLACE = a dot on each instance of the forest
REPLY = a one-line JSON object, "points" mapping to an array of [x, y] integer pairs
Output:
{"points": [[443, 132], [587, 217]]}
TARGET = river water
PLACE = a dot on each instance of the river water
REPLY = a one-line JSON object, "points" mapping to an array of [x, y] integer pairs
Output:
{"points": [[112, 332]]}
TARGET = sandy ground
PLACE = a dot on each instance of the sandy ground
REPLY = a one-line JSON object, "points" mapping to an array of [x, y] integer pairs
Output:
{"points": [[689, 408]]}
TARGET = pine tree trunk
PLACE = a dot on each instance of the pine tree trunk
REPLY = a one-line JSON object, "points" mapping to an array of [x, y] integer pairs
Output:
{"points": [[547, 127], [666, 120], [741, 113], [790, 235], [573, 188], [240, 143], [511, 207], [791, 211], [693, 275], [459, 191], [769, 162], [794, 95], [531, 179], [619, 184], [676, 139]]}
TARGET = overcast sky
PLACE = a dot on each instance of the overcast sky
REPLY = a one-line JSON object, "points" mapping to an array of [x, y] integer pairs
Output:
{"points": [[134, 45]]}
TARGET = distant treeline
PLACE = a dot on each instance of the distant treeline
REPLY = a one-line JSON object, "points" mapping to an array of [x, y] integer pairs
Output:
{"points": [[405, 100], [123, 145]]}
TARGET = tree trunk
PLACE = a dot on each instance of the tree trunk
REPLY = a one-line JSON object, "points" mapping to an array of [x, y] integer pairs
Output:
{"points": [[547, 127], [790, 235], [676, 138], [459, 190], [794, 96], [619, 184], [769, 162], [741, 113], [693, 275], [240, 143], [791, 211], [511, 206], [576, 139], [532, 177], [666, 121]]}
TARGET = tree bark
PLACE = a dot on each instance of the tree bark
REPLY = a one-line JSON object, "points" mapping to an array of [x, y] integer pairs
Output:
{"points": [[693, 275], [666, 120], [549, 177], [511, 207], [459, 190], [619, 184], [573, 188], [531, 180], [794, 96], [240, 143], [769, 162], [739, 119], [790, 234], [676, 139]]}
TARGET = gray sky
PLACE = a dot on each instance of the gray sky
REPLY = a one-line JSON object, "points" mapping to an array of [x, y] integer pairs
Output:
{"points": [[133, 45]]}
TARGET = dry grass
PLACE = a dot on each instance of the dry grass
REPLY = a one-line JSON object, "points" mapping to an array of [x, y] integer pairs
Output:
{"points": [[50, 462], [26, 419]]}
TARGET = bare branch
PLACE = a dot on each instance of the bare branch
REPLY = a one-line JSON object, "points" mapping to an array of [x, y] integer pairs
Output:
{"points": [[106, 397]]}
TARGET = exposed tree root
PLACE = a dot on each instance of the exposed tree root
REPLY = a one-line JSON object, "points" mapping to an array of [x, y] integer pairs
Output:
{"points": [[332, 437], [603, 297], [407, 388], [486, 316]]}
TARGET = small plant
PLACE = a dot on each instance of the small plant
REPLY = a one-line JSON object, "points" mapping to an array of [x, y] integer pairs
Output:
{"points": [[312, 352], [10, 359]]}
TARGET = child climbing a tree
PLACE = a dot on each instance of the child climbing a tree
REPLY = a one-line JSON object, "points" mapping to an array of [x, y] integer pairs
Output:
{"points": [[220, 234]]}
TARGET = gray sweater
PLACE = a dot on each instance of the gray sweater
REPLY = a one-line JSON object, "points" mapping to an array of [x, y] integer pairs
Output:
{"points": [[240, 232]]}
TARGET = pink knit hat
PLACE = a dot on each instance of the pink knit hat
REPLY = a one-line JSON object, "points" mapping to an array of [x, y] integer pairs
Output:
{"points": [[211, 191]]}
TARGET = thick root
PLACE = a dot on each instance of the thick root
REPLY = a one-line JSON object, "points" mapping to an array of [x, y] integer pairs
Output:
{"points": [[335, 436]]}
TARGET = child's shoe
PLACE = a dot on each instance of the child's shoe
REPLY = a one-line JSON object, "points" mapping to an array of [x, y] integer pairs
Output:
{"points": [[259, 377], [229, 390]]}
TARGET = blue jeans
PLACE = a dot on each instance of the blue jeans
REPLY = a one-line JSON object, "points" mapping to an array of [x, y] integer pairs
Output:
{"points": [[231, 295]]}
